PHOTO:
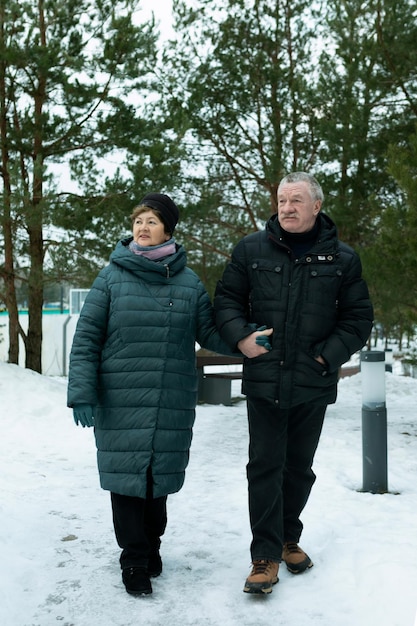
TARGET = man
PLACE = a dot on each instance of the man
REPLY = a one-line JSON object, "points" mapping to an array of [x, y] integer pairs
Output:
{"points": [[302, 290]]}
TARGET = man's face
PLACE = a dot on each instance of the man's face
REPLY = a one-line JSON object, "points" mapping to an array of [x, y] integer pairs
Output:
{"points": [[297, 211]]}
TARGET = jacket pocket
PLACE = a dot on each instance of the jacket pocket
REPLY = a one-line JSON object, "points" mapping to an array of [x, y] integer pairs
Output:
{"points": [[323, 284], [311, 373], [266, 279]]}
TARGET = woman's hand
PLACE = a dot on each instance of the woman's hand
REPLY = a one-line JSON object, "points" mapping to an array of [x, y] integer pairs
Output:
{"points": [[256, 344]]}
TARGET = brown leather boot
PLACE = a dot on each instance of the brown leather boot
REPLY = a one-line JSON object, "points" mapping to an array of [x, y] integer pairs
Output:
{"points": [[296, 560], [264, 574]]}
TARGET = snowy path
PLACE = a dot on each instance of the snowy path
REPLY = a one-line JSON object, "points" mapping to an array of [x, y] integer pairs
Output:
{"points": [[59, 562]]}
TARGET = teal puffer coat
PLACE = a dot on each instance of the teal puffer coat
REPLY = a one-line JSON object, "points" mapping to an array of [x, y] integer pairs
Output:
{"points": [[133, 358]]}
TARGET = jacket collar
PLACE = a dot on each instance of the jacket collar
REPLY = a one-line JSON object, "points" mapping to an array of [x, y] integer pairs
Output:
{"points": [[146, 268], [326, 242]]}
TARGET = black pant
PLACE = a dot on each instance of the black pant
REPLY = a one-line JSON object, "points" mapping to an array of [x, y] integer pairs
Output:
{"points": [[282, 444], [139, 524]]}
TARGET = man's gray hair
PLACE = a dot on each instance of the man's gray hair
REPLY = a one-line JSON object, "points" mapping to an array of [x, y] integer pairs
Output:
{"points": [[303, 177]]}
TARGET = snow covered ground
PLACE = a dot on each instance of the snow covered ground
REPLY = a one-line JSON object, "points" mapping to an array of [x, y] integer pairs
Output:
{"points": [[59, 559]]}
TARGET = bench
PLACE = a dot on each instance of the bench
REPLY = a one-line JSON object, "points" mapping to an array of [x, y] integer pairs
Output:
{"points": [[216, 387], [349, 370]]}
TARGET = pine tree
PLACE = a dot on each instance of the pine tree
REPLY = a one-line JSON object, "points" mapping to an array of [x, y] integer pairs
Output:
{"points": [[67, 69]]}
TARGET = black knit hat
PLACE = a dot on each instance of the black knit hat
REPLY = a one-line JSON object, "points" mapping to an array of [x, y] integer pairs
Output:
{"points": [[166, 207]]}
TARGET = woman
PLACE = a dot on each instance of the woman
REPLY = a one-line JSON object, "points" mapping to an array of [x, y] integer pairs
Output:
{"points": [[133, 377]]}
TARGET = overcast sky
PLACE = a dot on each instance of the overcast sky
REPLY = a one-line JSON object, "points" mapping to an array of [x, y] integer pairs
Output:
{"points": [[162, 10]]}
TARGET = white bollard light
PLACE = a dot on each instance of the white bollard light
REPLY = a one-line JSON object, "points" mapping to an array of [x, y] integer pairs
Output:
{"points": [[389, 359], [374, 422]]}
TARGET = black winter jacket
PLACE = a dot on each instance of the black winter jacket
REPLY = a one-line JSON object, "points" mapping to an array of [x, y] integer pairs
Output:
{"points": [[317, 304]]}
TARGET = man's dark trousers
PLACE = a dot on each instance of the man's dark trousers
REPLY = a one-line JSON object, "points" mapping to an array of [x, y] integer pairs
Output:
{"points": [[282, 444]]}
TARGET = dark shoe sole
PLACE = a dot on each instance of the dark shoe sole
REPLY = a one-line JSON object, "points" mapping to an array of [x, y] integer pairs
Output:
{"points": [[259, 588], [134, 592], [303, 567]]}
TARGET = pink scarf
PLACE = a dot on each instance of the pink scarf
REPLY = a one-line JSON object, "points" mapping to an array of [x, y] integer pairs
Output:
{"points": [[154, 253]]}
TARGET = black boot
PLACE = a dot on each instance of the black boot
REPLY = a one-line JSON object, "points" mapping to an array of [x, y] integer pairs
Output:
{"points": [[136, 580]]}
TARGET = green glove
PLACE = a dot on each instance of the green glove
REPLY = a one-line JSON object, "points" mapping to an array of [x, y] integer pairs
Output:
{"points": [[263, 340], [83, 414]]}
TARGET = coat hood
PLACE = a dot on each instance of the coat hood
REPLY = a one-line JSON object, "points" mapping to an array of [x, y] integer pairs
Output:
{"points": [[142, 267]]}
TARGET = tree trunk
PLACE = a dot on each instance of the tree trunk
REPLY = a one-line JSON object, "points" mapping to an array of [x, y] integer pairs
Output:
{"points": [[35, 303], [6, 219], [35, 221]]}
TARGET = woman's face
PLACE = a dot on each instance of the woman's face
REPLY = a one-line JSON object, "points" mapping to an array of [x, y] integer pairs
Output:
{"points": [[148, 230]]}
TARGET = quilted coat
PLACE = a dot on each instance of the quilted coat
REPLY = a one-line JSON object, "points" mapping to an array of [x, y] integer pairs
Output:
{"points": [[317, 304], [133, 358]]}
